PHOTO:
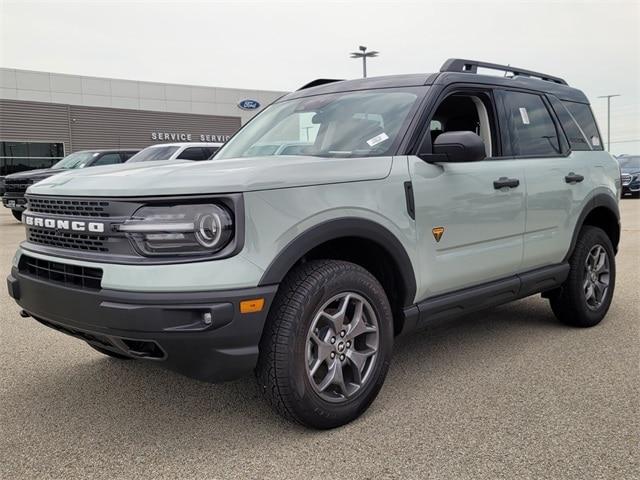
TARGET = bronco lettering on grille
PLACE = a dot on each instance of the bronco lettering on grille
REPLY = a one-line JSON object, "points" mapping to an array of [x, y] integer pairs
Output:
{"points": [[58, 224]]}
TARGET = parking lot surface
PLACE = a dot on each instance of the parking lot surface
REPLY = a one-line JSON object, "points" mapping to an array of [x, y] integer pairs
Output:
{"points": [[505, 393]]}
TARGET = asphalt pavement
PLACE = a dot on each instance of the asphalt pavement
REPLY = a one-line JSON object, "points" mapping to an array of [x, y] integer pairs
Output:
{"points": [[506, 393]]}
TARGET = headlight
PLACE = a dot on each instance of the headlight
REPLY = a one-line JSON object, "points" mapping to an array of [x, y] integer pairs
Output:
{"points": [[201, 229]]}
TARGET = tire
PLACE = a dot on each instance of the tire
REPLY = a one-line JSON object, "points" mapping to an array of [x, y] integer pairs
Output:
{"points": [[17, 214], [288, 346], [573, 304], [109, 353]]}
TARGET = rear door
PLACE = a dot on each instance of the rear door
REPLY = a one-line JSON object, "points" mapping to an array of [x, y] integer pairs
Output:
{"points": [[557, 179]]}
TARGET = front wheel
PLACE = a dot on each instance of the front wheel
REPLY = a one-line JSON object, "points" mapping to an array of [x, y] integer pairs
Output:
{"points": [[585, 297], [327, 344]]}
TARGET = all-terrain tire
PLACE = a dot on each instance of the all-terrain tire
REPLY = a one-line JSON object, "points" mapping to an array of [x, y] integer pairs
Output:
{"points": [[570, 304], [282, 371]]}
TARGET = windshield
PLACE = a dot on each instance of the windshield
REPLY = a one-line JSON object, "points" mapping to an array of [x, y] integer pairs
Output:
{"points": [[161, 152], [349, 124], [75, 160], [630, 162]]}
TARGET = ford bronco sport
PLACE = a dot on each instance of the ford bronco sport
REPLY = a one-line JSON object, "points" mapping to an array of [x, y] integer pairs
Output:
{"points": [[418, 197]]}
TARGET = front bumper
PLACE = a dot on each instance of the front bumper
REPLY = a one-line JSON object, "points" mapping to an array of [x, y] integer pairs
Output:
{"points": [[171, 328], [14, 202]]}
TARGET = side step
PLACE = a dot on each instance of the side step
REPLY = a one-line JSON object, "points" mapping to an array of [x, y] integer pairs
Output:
{"points": [[483, 296]]}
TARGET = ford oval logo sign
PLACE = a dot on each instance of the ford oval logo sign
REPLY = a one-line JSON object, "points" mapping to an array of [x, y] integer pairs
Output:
{"points": [[249, 104]]}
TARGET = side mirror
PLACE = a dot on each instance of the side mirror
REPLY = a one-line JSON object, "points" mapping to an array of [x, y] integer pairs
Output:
{"points": [[457, 147]]}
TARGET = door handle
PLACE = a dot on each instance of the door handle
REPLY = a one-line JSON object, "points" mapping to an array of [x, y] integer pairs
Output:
{"points": [[505, 182], [573, 178]]}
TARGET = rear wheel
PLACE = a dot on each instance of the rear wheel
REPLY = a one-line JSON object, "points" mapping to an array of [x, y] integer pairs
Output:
{"points": [[17, 214], [327, 344], [109, 353], [585, 297]]}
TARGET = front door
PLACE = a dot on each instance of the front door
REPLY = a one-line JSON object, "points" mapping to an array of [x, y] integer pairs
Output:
{"points": [[470, 216]]}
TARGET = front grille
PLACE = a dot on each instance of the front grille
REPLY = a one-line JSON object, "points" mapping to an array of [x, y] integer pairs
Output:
{"points": [[73, 208], [16, 186], [75, 241], [626, 179], [70, 275]]}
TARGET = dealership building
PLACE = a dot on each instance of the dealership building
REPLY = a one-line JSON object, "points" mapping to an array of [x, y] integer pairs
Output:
{"points": [[45, 116]]}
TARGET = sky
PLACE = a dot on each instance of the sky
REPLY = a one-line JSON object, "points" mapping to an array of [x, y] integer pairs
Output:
{"points": [[276, 45]]}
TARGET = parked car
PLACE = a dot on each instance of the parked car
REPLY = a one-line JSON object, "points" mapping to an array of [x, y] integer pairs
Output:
{"points": [[177, 151], [630, 174], [16, 184], [423, 197]]}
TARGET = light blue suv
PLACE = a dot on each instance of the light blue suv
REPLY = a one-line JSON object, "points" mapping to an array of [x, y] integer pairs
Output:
{"points": [[407, 199]]}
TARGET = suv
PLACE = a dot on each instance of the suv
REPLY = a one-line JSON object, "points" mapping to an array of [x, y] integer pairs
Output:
{"points": [[630, 174], [177, 151], [16, 184], [420, 197]]}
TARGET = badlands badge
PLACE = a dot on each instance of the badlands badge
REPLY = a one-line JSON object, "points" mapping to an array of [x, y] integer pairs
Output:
{"points": [[437, 233]]}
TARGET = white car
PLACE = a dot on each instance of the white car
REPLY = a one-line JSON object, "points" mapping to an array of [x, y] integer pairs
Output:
{"points": [[177, 151]]}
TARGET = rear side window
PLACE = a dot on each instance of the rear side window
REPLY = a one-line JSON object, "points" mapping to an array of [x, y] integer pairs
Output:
{"points": [[531, 127], [583, 116], [193, 153], [577, 138]]}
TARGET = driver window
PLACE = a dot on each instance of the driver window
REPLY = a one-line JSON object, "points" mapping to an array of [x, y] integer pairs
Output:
{"points": [[465, 112]]}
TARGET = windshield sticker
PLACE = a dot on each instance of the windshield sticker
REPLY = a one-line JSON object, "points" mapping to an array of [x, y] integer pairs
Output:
{"points": [[524, 115], [595, 141], [377, 139]]}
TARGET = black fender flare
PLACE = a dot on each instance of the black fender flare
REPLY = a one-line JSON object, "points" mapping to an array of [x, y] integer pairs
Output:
{"points": [[342, 228], [598, 200]]}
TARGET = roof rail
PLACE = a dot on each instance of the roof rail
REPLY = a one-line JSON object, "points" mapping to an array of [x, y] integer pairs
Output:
{"points": [[471, 66], [318, 82]]}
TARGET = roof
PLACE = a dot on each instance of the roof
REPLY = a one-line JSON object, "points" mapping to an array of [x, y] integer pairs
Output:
{"points": [[109, 150], [452, 71]]}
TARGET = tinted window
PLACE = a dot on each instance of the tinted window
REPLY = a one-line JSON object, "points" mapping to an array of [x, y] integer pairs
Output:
{"points": [[161, 152], [20, 156], [107, 159], [530, 125], [76, 160], [584, 117], [127, 155], [577, 138], [193, 153], [210, 151]]}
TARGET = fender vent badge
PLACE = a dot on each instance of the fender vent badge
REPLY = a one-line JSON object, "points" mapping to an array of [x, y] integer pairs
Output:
{"points": [[437, 233]]}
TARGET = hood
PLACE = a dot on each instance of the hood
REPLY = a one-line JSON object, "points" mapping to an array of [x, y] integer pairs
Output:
{"points": [[212, 176], [630, 170], [35, 174]]}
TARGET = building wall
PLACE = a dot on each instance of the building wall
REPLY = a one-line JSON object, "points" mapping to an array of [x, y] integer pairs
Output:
{"points": [[129, 94], [41, 109], [81, 128]]}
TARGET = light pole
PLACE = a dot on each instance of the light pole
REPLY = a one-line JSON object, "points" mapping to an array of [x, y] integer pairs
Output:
{"points": [[609, 97], [363, 54]]}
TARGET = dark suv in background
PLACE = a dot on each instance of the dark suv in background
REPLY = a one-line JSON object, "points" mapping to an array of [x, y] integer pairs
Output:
{"points": [[630, 174], [16, 184]]}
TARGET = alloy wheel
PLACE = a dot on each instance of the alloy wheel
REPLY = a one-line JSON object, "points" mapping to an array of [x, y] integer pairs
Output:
{"points": [[342, 347]]}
